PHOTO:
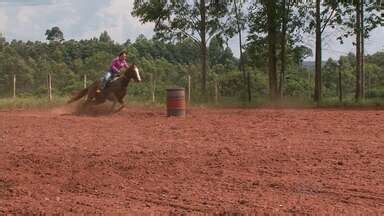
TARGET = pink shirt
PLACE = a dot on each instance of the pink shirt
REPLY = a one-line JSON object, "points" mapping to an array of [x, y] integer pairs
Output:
{"points": [[117, 64]]}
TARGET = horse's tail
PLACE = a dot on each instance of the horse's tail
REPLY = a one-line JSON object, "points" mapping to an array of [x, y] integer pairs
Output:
{"points": [[78, 95]]}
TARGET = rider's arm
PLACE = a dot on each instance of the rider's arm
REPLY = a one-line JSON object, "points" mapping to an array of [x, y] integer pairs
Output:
{"points": [[126, 65], [113, 66], [115, 70]]}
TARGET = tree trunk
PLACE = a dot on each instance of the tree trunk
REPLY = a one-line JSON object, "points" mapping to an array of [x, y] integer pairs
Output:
{"points": [[362, 51], [358, 52], [241, 65], [270, 6], [317, 96], [283, 47], [240, 42], [204, 59], [204, 50]]}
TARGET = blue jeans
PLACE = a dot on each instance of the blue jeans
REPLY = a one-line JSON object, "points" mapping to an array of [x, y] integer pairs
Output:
{"points": [[105, 79]]}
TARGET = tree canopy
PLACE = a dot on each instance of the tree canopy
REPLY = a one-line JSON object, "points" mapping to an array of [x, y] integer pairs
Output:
{"points": [[191, 39]]}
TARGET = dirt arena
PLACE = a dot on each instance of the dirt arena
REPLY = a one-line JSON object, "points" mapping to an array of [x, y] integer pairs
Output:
{"points": [[303, 161]]}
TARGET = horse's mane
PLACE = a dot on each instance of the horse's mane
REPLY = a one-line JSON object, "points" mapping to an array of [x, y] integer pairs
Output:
{"points": [[127, 71]]}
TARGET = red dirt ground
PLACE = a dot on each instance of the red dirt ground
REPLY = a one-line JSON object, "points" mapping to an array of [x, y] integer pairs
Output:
{"points": [[302, 161]]}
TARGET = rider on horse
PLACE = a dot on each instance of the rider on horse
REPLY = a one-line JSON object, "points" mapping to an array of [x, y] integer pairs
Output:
{"points": [[117, 64]]}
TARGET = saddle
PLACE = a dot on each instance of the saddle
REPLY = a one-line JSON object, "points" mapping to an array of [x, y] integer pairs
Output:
{"points": [[114, 78]]}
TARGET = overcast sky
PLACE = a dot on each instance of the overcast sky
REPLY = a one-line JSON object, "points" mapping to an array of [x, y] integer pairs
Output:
{"points": [[84, 19]]}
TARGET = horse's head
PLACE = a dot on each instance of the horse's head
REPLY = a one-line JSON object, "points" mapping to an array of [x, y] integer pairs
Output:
{"points": [[133, 72]]}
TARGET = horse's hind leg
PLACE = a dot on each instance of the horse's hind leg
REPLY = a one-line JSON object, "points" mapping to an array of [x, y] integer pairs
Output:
{"points": [[111, 110], [121, 105], [120, 108], [86, 106], [114, 100]]}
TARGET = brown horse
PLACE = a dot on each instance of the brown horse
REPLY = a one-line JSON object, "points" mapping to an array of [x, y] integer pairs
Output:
{"points": [[115, 91]]}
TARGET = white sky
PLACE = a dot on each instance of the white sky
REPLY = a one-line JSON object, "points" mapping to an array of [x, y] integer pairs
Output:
{"points": [[84, 19]]}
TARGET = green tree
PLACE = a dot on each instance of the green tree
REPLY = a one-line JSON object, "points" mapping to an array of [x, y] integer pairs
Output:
{"points": [[265, 20], [215, 51], [359, 18], [104, 37], [198, 20], [54, 34], [2, 42], [321, 16]]}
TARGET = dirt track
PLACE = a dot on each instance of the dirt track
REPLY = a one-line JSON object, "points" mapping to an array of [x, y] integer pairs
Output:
{"points": [[224, 160]]}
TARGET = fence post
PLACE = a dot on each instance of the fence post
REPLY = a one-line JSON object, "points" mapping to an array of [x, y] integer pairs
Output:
{"points": [[189, 89], [49, 86], [14, 86], [216, 91], [153, 88], [340, 87], [85, 80], [309, 84]]}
